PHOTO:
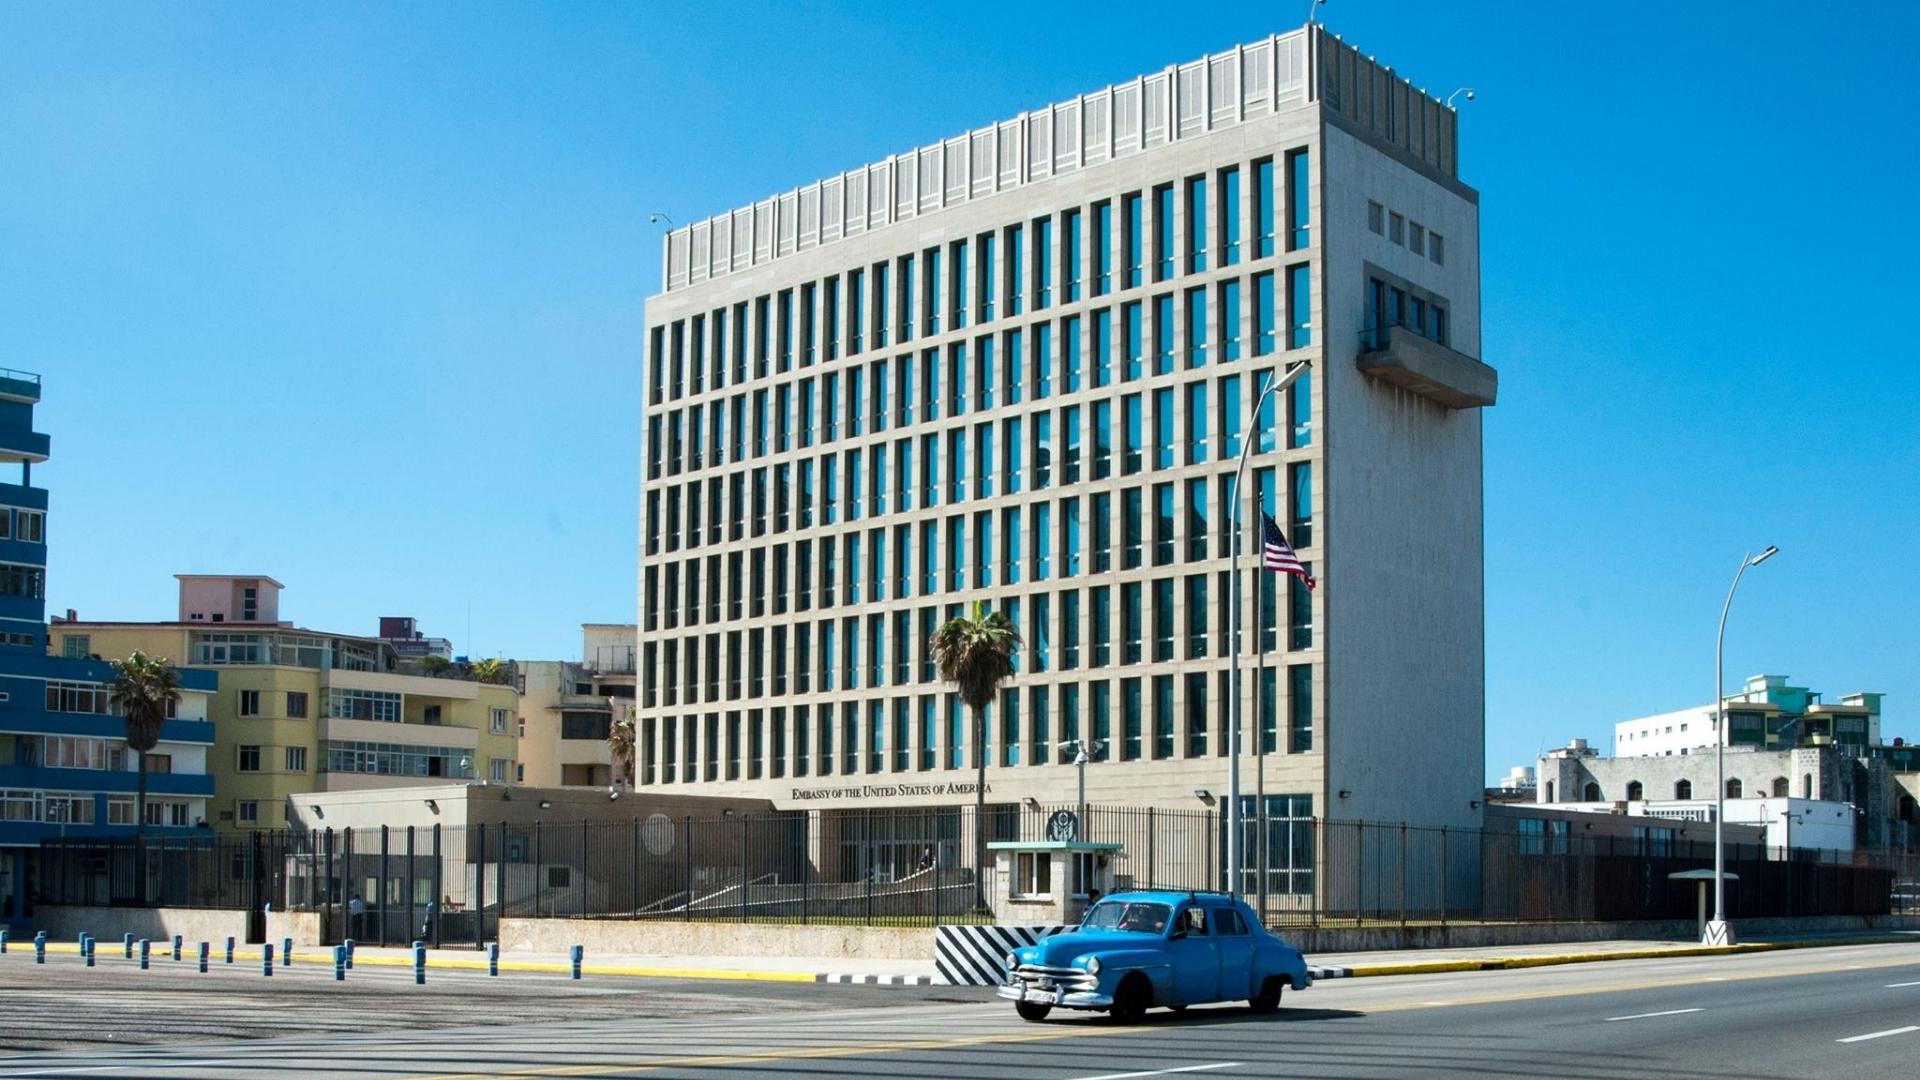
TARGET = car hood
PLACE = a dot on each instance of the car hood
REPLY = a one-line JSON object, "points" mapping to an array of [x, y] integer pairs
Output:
{"points": [[1060, 949]]}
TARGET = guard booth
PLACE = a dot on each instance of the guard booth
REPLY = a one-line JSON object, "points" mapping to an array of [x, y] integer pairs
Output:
{"points": [[1049, 882]]}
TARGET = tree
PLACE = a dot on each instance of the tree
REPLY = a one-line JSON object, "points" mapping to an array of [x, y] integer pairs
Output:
{"points": [[143, 689], [620, 745], [491, 670], [435, 665], [975, 654]]}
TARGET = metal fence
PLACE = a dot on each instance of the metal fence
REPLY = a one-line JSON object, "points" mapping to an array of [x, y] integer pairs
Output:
{"points": [[917, 867]]}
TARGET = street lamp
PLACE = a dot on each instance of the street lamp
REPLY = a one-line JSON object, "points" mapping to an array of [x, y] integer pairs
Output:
{"points": [[1232, 816], [1718, 932], [1082, 751]]}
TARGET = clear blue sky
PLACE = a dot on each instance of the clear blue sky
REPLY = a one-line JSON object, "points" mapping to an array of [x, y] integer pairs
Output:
{"points": [[352, 294]]}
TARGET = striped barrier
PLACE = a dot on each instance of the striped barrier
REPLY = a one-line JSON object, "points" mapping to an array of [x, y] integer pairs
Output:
{"points": [[977, 955]]}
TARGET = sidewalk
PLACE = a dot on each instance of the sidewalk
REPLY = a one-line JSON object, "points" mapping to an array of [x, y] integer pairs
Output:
{"points": [[1495, 958], [743, 968]]}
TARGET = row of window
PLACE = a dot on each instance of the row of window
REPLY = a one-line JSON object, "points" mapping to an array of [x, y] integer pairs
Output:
{"points": [[293, 758], [20, 523], [1391, 305], [1156, 717], [73, 752], [988, 372], [1408, 234], [288, 650], [78, 808], [987, 461], [250, 703], [23, 581], [397, 759], [1683, 789], [1157, 525], [828, 655], [1056, 257]]}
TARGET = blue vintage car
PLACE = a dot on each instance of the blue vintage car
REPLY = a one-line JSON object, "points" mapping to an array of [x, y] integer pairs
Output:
{"points": [[1139, 950]]}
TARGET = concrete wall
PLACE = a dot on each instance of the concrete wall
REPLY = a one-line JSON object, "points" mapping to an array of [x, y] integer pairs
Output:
{"points": [[1352, 939], [603, 937], [302, 926], [108, 924]]}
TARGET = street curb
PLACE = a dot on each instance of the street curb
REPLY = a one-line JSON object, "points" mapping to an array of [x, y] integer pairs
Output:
{"points": [[875, 980], [1505, 963]]}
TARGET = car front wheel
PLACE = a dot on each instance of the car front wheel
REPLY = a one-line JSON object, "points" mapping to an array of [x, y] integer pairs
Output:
{"points": [[1032, 1011], [1131, 999], [1268, 999]]}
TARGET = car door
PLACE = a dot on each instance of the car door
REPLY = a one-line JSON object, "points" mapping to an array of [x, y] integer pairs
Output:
{"points": [[1196, 957], [1235, 945]]}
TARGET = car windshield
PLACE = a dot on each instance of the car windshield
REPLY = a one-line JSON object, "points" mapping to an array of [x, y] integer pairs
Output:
{"points": [[1128, 915]]}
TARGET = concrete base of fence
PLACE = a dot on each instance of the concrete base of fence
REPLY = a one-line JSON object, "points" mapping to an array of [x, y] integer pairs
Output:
{"points": [[157, 924], [619, 937], [1334, 939], [304, 927]]}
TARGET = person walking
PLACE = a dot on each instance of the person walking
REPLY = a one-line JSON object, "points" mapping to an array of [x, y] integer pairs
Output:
{"points": [[356, 915]]}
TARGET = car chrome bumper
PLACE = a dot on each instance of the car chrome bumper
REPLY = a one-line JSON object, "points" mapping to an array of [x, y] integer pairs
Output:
{"points": [[1080, 999]]}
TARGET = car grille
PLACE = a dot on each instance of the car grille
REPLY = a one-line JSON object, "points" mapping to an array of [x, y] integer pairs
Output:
{"points": [[1067, 979]]}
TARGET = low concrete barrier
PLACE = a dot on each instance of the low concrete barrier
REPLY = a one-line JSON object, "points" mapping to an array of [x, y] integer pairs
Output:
{"points": [[618, 937], [158, 924], [1349, 939]]}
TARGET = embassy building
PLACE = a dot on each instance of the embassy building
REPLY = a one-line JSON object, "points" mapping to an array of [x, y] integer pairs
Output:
{"points": [[1019, 366]]}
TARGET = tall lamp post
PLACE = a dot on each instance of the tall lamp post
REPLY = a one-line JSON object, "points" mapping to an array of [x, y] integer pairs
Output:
{"points": [[1233, 818], [1718, 932]]}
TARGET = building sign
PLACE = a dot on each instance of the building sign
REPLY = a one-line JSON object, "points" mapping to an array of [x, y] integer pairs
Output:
{"points": [[886, 791]]}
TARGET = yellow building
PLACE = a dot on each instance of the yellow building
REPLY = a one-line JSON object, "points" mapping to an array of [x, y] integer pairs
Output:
{"points": [[301, 711], [568, 709]]}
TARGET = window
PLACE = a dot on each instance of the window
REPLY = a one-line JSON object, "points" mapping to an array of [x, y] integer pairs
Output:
{"points": [[1299, 209], [296, 759], [1635, 792], [1299, 306], [1196, 224], [497, 773], [32, 527], [247, 812], [249, 703], [1683, 789], [1437, 248], [1416, 238], [29, 582], [1033, 875], [249, 759], [76, 646], [1263, 208], [1376, 218], [1396, 228], [69, 697], [497, 721], [1300, 708]]}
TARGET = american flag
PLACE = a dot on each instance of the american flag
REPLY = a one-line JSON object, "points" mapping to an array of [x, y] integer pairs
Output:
{"points": [[1277, 554]]}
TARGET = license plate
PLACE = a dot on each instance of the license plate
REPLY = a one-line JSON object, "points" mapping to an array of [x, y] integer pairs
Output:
{"points": [[1042, 997]]}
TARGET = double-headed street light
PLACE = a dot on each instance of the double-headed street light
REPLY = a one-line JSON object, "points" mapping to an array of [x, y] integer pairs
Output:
{"points": [[1718, 932]]}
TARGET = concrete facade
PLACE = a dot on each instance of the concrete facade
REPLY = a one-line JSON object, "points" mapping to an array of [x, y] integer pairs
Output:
{"points": [[1105, 505], [1767, 714], [568, 709]]}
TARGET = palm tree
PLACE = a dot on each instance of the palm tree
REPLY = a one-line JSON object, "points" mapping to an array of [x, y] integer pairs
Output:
{"points": [[975, 654], [620, 744], [491, 670], [143, 690]]}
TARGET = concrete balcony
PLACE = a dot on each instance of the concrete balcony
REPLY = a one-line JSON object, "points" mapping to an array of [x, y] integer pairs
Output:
{"points": [[1403, 357]]}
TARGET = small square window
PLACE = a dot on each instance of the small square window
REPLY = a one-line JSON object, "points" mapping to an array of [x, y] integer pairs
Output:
{"points": [[1397, 229], [296, 704], [1437, 249], [1416, 238], [1376, 215], [247, 813]]}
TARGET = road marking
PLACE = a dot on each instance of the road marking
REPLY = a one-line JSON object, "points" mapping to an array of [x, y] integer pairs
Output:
{"points": [[1649, 1016], [1896, 986], [1162, 1072], [142, 1065], [1881, 1034]]}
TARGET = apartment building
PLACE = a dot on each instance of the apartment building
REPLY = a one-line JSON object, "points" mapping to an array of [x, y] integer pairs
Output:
{"points": [[302, 710], [65, 769], [1019, 366], [570, 708]]}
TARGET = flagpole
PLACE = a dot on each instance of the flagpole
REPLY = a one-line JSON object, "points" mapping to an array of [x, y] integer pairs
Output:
{"points": [[1233, 817]]}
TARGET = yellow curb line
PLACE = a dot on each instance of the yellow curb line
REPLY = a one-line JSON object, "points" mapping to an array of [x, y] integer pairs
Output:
{"points": [[1434, 967]]}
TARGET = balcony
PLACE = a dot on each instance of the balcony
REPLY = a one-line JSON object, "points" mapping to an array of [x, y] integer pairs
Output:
{"points": [[19, 385], [1402, 356]]}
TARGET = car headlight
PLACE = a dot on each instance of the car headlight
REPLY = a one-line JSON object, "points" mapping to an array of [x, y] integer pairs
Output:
{"points": [[1093, 965], [1012, 961]]}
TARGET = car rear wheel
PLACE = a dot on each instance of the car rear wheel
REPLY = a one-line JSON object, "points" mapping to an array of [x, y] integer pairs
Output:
{"points": [[1130, 1000], [1268, 999], [1032, 1011]]}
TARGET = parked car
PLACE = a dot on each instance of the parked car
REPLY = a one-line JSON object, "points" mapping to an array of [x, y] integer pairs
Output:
{"points": [[1140, 950]]}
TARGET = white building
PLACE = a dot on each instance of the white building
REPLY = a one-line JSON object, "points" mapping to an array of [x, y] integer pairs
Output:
{"points": [[1767, 713], [1805, 824]]}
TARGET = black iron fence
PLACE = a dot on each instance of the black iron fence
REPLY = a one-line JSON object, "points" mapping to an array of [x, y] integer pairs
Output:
{"points": [[916, 867]]}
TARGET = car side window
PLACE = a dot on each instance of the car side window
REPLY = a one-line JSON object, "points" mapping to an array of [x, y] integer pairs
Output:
{"points": [[1194, 922], [1227, 923]]}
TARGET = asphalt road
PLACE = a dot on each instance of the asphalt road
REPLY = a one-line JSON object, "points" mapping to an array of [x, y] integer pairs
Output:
{"points": [[1828, 1013]]}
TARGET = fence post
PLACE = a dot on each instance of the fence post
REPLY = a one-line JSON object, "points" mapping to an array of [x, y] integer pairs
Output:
{"points": [[327, 884], [583, 868], [1150, 882], [633, 867], [746, 838], [479, 841], [539, 879], [806, 863], [1444, 880], [382, 889], [434, 895], [1359, 872], [1403, 875], [1318, 879], [500, 881], [413, 889], [686, 849]]}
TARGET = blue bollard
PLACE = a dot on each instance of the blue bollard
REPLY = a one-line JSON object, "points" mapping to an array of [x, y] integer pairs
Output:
{"points": [[204, 950], [3, 943], [339, 963], [286, 952], [86, 950], [40, 947], [176, 948], [266, 959], [576, 953], [229, 950], [145, 947], [349, 947], [419, 963], [493, 958]]}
